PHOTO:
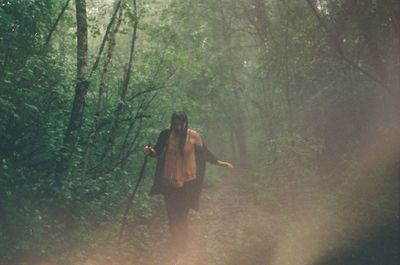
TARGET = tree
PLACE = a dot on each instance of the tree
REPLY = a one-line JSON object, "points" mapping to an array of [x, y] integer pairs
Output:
{"points": [[81, 88]]}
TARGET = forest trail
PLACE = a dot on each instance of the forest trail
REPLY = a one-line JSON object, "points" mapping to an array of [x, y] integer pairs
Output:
{"points": [[297, 225], [230, 228]]}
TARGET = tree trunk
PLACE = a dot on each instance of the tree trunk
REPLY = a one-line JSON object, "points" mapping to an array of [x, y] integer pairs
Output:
{"points": [[94, 128], [287, 76], [124, 92], [82, 85], [108, 30]]}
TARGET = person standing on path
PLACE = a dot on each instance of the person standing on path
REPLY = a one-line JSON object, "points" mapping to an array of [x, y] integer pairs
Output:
{"points": [[182, 156]]}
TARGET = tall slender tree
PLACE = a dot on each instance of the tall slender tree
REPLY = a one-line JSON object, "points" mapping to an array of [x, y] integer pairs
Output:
{"points": [[81, 88]]}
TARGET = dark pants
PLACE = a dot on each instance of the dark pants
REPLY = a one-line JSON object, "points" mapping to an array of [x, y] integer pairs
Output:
{"points": [[177, 210]]}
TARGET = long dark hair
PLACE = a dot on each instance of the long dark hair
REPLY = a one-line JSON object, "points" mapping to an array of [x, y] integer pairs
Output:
{"points": [[181, 138]]}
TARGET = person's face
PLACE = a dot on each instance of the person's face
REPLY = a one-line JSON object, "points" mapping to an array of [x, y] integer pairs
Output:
{"points": [[178, 127]]}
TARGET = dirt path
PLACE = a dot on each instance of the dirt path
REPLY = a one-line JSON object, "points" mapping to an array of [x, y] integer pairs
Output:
{"points": [[229, 228]]}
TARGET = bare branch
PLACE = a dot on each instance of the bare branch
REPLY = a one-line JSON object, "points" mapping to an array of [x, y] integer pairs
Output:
{"points": [[53, 28], [339, 48], [110, 24]]}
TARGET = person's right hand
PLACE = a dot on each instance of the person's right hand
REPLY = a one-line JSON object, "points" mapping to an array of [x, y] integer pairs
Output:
{"points": [[148, 150]]}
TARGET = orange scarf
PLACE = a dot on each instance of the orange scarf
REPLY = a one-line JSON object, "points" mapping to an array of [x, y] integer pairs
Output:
{"points": [[179, 169]]}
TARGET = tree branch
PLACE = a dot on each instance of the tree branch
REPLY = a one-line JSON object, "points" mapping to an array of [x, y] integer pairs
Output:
{"points": [[96, 64], [339, 48], [56, 23]]}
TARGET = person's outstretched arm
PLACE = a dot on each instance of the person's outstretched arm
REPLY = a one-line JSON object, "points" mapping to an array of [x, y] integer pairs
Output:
{"points": [[211, 158]]}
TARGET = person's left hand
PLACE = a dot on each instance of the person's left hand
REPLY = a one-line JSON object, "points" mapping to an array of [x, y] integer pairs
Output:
{"points": [[225, 164]]}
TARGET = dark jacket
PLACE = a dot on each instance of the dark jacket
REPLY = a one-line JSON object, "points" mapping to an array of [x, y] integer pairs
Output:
{"points": [[192, 189]]}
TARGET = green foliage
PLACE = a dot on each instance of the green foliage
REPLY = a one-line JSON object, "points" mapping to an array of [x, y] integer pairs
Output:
{"points": [[269, 88]]}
